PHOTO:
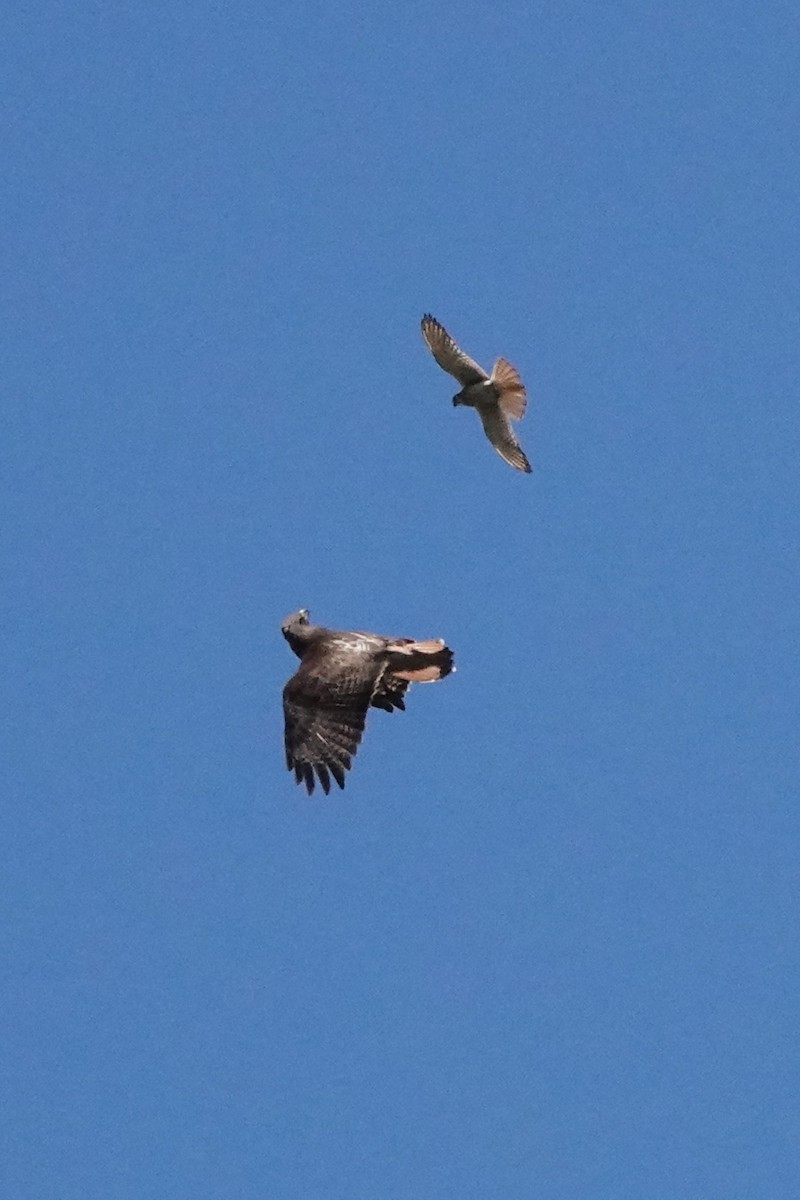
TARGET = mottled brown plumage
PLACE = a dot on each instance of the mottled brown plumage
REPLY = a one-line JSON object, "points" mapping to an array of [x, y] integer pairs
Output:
{"points": [[499, 398], [340, 675]]}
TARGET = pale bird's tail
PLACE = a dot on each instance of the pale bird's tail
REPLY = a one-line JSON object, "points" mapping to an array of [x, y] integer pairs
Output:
{"points": [[510, 389]]}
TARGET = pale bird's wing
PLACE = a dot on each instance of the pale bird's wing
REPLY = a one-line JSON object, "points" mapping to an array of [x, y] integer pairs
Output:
{"points": [[499, 432], [450, 356]]}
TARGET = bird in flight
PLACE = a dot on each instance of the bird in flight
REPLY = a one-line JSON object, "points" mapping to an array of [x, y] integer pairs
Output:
{"points": [[499, 397], [340, 676]]}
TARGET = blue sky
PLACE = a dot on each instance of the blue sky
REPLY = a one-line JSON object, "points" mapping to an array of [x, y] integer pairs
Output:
{"points": [[545, 943]]}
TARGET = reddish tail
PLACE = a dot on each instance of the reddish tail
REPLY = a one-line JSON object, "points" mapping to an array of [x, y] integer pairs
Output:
{"points": [[511, 390], [420, 662]]}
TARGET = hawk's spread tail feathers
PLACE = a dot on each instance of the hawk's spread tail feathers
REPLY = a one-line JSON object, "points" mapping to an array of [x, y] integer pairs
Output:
{"points": [[510, 389], [420, 662]]}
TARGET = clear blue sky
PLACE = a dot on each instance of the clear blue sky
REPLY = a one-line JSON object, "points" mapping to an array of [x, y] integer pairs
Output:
{"points": [[545, 945]]}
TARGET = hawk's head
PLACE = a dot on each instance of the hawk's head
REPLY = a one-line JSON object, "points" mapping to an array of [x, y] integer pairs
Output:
{"points": [[298, 630], [297, 618]]}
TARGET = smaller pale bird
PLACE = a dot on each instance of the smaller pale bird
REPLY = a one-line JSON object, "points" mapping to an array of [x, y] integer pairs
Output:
{"points": [[499, 397]]}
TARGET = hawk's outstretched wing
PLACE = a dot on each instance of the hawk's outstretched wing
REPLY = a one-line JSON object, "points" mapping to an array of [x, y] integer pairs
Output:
{"points": [[449, 355], [325, 705]]}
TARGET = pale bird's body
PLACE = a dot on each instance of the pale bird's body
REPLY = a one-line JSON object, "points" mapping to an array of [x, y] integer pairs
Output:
{"points": [[498, 398]]}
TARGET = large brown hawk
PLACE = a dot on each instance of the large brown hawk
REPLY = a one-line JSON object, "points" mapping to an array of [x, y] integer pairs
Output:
{"points": [[340, 675], [499, 397]]}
